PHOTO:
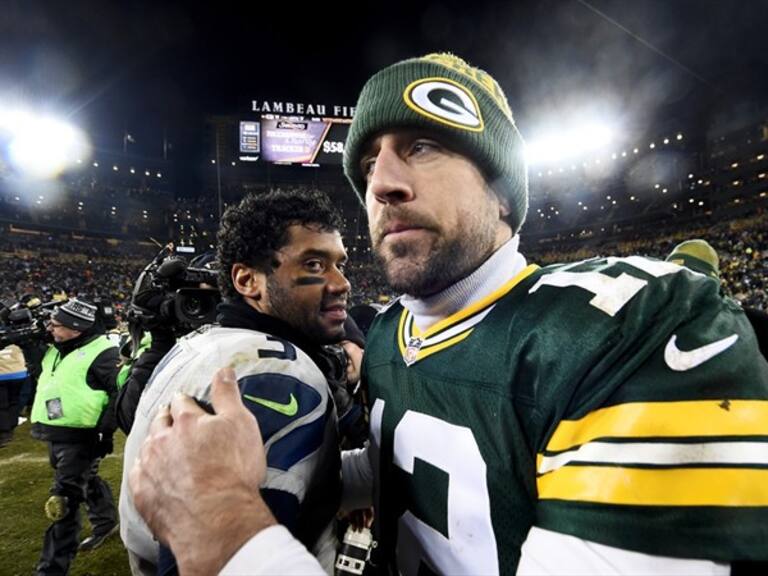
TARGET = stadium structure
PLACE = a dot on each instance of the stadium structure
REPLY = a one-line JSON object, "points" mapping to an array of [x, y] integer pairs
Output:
{"points": [[641, 196]]}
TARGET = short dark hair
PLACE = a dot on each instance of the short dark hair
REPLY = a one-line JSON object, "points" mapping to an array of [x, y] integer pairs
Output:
{"points": [[253, 230]]}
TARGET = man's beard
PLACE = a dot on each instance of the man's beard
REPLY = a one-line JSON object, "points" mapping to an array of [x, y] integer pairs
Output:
{"points": [[285, 307], [445, 263]]}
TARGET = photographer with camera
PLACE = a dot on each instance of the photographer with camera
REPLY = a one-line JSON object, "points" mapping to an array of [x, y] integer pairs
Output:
{"points": [[170, 299], [281, 275], [73, 412]]}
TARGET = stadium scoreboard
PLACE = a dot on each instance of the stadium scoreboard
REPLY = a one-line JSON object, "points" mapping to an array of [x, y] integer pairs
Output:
{"points": [[308, 141]]}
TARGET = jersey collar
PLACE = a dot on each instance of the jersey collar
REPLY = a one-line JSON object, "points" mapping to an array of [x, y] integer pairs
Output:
{"points": [[416, 345]]}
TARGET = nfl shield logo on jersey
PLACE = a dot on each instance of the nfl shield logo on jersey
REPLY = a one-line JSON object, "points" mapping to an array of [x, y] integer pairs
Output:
{"points": [[412, 350]]}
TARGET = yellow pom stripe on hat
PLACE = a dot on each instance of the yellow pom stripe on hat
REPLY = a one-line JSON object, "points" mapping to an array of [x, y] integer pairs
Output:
{"points": [[480, 77]]}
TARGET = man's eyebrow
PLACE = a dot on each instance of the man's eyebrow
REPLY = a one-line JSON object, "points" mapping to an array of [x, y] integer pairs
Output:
{"points": [[317, 253], [370, 149]]}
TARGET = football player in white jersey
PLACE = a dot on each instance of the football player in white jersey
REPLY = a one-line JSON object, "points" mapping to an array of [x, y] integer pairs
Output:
{"points": [[285, 295]]}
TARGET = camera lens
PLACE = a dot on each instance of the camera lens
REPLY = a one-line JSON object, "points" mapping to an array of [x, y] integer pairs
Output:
{"points": [[193, 307]]}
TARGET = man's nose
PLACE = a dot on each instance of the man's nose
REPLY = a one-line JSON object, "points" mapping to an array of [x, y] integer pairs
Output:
{"points": [[389, 181], [338, 283]]}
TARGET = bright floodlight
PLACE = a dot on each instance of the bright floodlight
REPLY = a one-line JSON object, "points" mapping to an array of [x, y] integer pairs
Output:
{"points": [[570, 143], [41, 147]]}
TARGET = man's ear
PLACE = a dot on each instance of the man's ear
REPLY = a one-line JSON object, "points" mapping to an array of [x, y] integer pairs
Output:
{"points": [[504, 210], [249, 282]]}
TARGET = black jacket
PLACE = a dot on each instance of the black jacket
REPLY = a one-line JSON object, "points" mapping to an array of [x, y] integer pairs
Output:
{"points": [[129, 395]]}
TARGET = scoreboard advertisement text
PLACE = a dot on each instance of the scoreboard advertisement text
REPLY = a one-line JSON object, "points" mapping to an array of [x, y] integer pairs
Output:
{"points": [[294, 140]]}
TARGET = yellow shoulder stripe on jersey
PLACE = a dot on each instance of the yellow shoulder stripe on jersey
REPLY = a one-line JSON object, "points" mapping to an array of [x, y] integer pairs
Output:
{"points": [[666, 420], [477, 306], [657, 487], [416, 345]]}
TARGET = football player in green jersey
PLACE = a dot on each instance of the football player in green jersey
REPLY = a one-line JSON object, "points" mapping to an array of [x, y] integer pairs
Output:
{"points": [[605, 416]]}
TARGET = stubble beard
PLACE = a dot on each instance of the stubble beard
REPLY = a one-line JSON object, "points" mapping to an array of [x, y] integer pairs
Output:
{"points": [[421, 271], [285, 308]]}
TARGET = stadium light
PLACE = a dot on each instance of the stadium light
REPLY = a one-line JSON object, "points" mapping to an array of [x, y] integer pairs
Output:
{"points": [[41, 146], [566, 144]]}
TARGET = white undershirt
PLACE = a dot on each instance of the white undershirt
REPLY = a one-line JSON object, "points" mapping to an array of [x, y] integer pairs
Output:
{"points": [[274, 551], [500, 268]]}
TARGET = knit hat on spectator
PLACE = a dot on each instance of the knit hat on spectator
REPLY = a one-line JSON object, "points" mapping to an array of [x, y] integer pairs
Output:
{"points": [[461, 105], [697, 255], [75, 314]]}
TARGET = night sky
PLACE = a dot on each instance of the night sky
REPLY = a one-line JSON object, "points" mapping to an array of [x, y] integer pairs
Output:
{"points": [[150, 67]]}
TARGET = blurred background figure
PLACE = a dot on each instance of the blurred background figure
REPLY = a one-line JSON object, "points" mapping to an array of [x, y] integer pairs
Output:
{"points": [[13, 375], [699, 256]]}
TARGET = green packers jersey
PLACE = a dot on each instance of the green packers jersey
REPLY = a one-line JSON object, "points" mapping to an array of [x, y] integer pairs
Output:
{"points": [[621, 400]]}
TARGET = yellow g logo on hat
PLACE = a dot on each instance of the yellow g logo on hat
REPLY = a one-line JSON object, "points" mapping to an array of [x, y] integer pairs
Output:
{"points": [[446, 102]]}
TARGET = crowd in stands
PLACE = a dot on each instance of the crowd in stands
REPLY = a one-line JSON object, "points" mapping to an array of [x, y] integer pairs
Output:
{"points": [[68, 275], [89, 233], [49, 264], [741, 244]]}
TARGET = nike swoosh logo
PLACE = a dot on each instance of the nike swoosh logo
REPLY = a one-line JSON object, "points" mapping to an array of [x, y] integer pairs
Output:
{"points": [[682, 360], [288, 409]]}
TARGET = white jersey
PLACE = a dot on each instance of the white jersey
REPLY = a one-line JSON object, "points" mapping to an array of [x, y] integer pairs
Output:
{"points": [[290, 398]]}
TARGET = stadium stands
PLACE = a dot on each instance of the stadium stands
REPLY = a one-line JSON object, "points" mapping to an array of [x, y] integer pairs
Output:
{"points": [[94, 229]]}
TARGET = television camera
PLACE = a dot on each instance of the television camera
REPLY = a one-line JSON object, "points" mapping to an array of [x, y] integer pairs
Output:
{"points": [[174, 293], [23, 322]]}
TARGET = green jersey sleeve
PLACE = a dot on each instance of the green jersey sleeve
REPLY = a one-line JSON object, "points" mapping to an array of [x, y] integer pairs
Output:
{"points": [[651, 426]]}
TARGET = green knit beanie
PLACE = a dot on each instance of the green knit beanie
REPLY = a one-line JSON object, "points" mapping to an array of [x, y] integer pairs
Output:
{"points": [[459, 103], [697, 255]]}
